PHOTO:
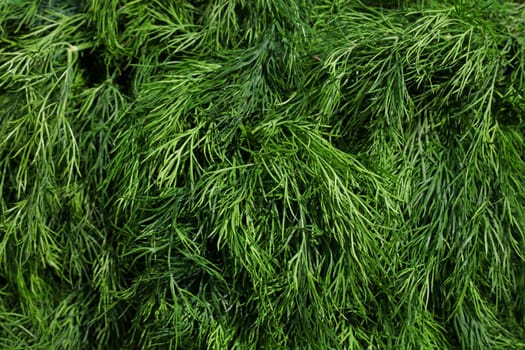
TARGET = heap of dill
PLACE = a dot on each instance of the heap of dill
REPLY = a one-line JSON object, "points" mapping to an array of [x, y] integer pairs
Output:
{"points": [[235, 174]]}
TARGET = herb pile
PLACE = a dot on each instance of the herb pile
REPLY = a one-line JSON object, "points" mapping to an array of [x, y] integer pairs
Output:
{"points": [[252, 174]]}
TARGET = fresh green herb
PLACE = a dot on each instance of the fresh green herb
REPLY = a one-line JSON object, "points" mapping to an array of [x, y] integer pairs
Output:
{"points": [[262, 174]]}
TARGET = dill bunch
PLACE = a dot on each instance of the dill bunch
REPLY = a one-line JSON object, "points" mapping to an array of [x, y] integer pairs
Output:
{"points": [[262, 174]]}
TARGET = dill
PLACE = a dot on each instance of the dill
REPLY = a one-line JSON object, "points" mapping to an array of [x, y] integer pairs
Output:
{"points": [[262, 174]]}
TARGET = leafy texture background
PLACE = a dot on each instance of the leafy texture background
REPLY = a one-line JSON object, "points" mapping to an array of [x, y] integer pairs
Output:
{"points": [[237, 174]]}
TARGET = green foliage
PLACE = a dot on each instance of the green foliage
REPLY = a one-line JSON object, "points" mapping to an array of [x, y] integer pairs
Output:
{"points": [[262, 174]]}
